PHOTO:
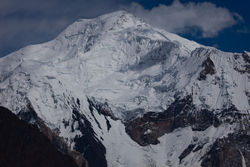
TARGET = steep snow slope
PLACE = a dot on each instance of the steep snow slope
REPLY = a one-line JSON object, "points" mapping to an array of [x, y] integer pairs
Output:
{"points": [[126, 68]]}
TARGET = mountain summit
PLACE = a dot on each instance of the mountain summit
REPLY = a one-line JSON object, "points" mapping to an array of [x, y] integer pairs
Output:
{"points": [[121, 92]]}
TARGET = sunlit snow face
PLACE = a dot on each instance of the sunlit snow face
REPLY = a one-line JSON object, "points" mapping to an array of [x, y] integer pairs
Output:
{"points": [[101, 73], [21, 25]]}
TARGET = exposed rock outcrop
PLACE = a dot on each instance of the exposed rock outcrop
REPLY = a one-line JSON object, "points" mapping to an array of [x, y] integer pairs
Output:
{"points": [[181, 113], [22, 144], [208, 68], [29, 115], [233, 151], [88, 144]]}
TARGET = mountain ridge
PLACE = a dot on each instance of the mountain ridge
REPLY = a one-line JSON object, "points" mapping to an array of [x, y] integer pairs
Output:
{"points": [[22, 144], [132, 87]]}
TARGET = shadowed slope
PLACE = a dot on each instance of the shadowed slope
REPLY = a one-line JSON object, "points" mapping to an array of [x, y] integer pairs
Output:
{"points": [[22, 144]]}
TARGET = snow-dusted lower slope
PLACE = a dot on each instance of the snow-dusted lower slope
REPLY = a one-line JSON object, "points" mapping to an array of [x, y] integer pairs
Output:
{"points": [[113, 71]]}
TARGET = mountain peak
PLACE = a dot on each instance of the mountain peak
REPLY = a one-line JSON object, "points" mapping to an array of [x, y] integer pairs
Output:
{"points": [[114, 79], [114, 21]]}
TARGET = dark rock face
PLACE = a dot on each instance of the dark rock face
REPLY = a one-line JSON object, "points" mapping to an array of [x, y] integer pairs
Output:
{"points": [[29, 115], [22, 144], [181, 113], [208, 68], [229, 152], [226, 152], [246, 57], [101, 108], [87, 144], [245, 67], [186, 151], [88, 151]]}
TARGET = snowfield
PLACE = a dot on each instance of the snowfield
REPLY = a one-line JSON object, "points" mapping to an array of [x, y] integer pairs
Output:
{"points": [[119, 60]]}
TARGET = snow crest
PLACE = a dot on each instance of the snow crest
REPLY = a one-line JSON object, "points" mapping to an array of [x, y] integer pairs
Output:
{"points": [[133, 67]]}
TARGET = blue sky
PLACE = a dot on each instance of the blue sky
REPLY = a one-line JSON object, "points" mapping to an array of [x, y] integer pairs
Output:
{"points": [[224, 24], [235, 38]]}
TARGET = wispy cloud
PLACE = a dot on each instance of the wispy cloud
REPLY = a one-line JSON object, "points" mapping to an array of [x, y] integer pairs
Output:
{"points": [[24, 22], [188, 17]]}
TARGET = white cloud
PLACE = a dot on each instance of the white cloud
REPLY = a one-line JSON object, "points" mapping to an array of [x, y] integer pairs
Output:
{"points": [[188, 17], [24, 22]]}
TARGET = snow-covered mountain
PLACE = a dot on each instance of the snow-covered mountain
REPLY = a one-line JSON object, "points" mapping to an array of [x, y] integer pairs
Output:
{"points": [[124, 93]]}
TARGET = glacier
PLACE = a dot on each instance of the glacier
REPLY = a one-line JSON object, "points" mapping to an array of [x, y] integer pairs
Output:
{"points": [[130, 68]]}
